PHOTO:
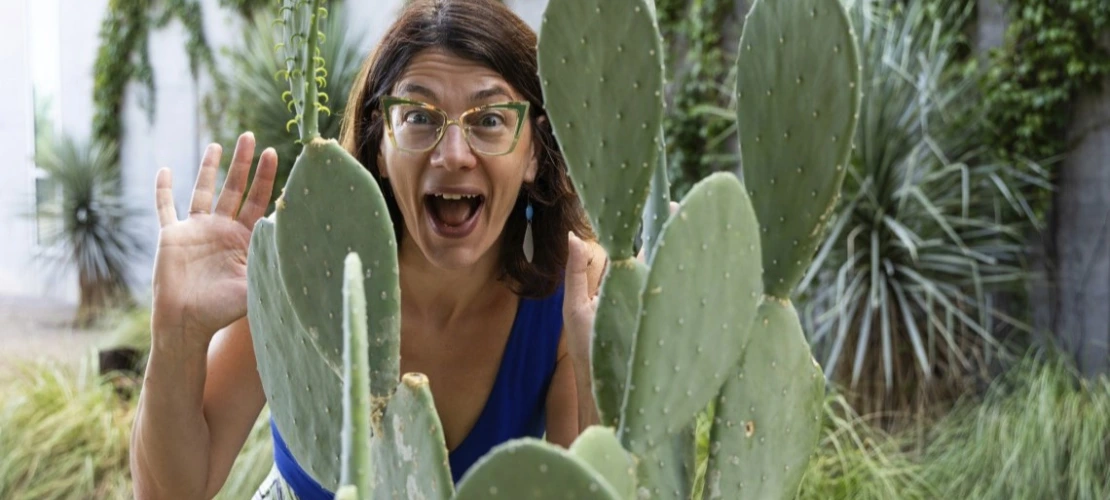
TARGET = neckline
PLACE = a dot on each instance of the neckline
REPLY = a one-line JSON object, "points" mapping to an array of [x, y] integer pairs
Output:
{"points": [[521, 302]]}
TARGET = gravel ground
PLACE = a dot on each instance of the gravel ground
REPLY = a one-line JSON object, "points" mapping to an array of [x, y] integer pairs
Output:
{"points": [[36, 328]]}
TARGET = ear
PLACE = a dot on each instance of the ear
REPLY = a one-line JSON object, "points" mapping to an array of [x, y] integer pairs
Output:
{"points": [[533, 157], [382, 172]]}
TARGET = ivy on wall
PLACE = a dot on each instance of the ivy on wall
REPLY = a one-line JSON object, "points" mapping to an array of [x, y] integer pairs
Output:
{"points": [[1051, 55], [699, 78], [124, 56]]}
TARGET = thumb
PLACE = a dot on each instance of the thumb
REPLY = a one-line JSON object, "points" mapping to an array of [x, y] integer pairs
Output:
{"points": [[577, 288]]}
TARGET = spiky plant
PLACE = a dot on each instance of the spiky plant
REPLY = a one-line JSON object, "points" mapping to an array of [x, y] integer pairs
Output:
{"points": [[96, 235], [928, 227], [255, 94]]}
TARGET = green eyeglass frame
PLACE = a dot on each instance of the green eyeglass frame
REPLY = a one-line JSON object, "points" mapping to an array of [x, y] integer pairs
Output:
{"points": [[521, 108]]}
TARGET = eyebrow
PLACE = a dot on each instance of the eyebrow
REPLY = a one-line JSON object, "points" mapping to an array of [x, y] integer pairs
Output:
{"points": [[414, 88]]}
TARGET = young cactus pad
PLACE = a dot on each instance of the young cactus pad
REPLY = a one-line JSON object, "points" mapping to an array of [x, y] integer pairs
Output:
{"points": [[533, 469], [696, 315], [410, 454], [599, 447], [601, 69], [768, 414], [301, 389], [614, 331], [355, 452], [798, 96]]}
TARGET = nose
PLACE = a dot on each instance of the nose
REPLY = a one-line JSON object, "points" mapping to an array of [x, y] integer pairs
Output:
{"points": [[453, 152]]}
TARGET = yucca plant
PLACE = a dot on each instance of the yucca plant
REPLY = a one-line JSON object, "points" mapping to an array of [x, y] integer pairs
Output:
{"points": [[97, 234], [256, 103], [927, 229]]}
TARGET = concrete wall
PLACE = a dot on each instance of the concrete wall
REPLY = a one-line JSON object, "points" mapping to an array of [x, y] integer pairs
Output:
{"points": [[1082, 236], [175, 138]]}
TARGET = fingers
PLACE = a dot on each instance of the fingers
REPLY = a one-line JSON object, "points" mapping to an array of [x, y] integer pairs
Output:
{"points": [[259, 197], [206, 180], [231, 196], [577, 286], [163, 197]]}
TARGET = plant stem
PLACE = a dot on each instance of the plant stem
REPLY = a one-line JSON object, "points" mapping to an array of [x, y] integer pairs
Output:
{"points": [[311, 129]]}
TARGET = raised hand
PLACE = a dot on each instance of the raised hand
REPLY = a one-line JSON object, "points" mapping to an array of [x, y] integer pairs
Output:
{"points": [[200, 268]]}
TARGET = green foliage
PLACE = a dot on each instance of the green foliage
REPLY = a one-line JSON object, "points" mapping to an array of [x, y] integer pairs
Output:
{"points": [[246, 8], [97, 236], [928, 227], [124, 56], [700, 74], [1052, 54], [1040, 432], [254, 95]]}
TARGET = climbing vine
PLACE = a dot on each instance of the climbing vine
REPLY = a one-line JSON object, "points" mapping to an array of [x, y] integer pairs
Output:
{"points": [[124, 56], [699, 78], [1051, 55]]}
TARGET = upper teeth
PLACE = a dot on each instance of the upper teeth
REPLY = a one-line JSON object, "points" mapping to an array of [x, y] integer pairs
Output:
{"points": [[455, 196]]}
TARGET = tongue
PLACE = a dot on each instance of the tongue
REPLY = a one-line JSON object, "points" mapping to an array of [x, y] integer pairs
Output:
{"points": [[451, 212]]}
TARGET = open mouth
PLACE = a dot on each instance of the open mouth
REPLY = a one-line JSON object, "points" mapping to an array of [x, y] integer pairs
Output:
{"points": [[453, 215]]}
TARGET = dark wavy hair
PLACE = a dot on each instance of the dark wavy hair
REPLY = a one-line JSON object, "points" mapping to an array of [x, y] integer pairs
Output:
{"points": [[488, 33]]}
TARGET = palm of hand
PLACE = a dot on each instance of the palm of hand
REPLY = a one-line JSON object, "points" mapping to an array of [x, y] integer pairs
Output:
{"points": [[200, 270]]}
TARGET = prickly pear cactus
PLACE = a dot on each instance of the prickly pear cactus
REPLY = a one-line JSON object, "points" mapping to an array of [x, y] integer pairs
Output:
{"points": [[709, 318], [704, 317]]}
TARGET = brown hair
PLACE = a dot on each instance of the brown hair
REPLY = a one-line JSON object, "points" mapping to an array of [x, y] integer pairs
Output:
{"points": [[488, 33]]}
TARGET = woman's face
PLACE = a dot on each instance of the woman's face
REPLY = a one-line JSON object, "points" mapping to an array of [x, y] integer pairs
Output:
{"points": [[454, 200]]}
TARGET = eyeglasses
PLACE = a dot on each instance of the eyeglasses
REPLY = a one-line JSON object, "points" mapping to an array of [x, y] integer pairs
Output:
{"points": [[417, 127]]}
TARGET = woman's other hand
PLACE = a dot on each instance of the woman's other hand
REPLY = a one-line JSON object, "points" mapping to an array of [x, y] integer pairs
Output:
{"points": [[200, 268]]}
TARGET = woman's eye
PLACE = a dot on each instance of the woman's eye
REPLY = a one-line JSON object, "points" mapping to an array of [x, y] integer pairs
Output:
{"points": [[417, 118], [491, 120]]}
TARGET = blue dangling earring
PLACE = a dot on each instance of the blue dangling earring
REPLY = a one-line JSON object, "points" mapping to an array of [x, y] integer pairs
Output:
{"points": [[529, 249]]}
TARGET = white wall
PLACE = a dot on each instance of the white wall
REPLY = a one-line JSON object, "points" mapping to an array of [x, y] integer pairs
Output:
{"points": [[174, 139], [16, 133]]}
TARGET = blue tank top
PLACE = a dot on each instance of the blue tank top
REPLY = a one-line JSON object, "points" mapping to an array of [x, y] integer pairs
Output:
{"points": [[514, 409]]}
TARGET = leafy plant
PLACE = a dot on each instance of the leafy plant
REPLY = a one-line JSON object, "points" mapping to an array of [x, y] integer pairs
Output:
{"points": [[1041, 431], [928, 227], [97, 234], [255, 101]]}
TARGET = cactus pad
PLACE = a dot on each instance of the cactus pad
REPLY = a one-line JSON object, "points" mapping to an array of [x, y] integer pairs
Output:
{"points": [[614, 332], [667, 471], [601, 68], [696, 315], [533, 469], [599, 447], [355, 457], [331, 207], [769, 413], [296, 380], [410, 454], [798, 98]]}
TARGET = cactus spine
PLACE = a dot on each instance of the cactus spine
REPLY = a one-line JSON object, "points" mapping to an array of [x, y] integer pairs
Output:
{"points": [[706, 318]]}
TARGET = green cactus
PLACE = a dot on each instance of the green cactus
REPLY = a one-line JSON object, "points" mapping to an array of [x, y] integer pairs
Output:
{"points": [[768, 413], [296, 381], [355, 455], [706, 318], [530, 468], [410, 454], [798, 96], [599, 447], [601, 67], [696, 315]]}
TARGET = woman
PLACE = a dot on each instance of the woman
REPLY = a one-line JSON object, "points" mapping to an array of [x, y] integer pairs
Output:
{"points": [[504, 344]]}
